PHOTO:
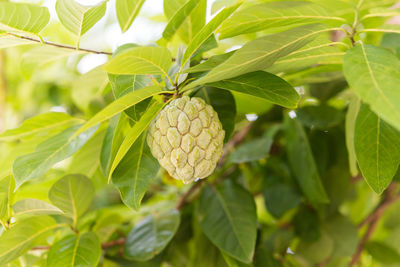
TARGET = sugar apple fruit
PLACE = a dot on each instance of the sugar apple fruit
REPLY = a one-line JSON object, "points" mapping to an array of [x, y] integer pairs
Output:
{"points": [[187, 138]]}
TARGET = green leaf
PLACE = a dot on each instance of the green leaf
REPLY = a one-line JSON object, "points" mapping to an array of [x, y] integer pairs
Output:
{"points": [[279, 198], [377, 147], [135, 172], [261, 53], [89, 87], [233, 262], [127, 10], [383, 253], [302, 162], [133, 134], [123, 84], [319, 117], [75, 250], [24, 235], [48, 153], [350, 124], [178, 18], [224, 104], [42, 55], [7, 41], [6, 197], [86, 159], [112, 140], [23, 17], [122, 104], [206, 32], [376, 85], [77, 18], [227, 216], [275, 14], [31, 207], [255, 149], [151, 235], [192, 23], [210, 63], [43, 124], [73, 194], [317, 251], [141, 60], [264, 85], [344, 235]]}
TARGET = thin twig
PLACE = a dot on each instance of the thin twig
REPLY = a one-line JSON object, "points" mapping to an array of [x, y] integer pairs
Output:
{"points": [[60, 45], [373, 219], [118, 242], [183, 199], [235, 140]]}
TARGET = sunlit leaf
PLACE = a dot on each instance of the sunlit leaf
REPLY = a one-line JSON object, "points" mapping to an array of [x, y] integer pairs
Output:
{"points": [[261, 53], [25, 235], [75, 250], [72, 194], [373, 73], [141, 60], [30, 207], [23, 17], [41, 124], [48, 153], [77, 18], [127, 10]]}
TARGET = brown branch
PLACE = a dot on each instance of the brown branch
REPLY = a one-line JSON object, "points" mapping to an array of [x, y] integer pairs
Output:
{"points": [[235, 140], [371, 227], [373, 219], [60, 45], [388, 200], [182, 201], [118, 242]]}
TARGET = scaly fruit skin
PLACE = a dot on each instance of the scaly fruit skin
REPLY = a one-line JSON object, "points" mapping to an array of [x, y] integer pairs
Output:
{"points": [[187, 138]]}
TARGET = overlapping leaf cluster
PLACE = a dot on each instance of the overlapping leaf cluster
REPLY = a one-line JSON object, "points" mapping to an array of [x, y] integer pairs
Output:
{"points": [[308, 93]]}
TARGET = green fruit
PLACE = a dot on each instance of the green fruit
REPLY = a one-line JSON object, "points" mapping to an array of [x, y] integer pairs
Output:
{"points": [[187, 139]]}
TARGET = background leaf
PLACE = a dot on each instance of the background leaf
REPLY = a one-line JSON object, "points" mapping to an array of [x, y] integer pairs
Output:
{"points": [[48, 153], [150, 236], [6, 196], [30, 207], [72, 194], [302, 162], [44, 124], [377, 147], [227, 216], [75, 250]]}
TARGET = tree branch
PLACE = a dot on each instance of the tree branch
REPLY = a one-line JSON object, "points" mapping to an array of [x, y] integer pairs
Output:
{"points": [[60, 45], [373, 219]]}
